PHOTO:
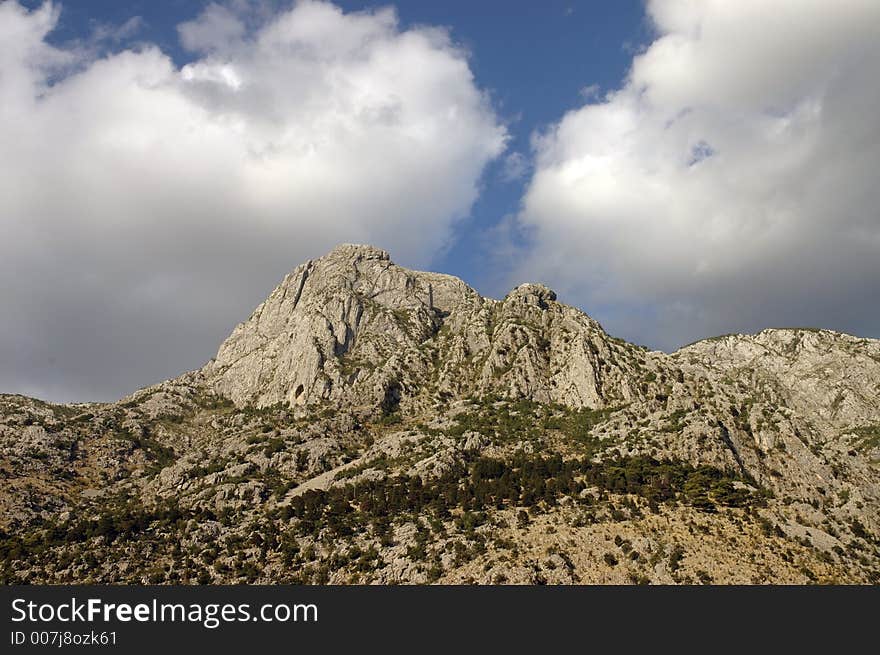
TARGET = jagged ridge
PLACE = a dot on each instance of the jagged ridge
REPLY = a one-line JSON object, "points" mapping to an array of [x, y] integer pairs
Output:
{"points": [[354, 327]]}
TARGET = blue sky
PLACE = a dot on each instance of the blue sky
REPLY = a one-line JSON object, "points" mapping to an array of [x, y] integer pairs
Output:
{"points": [[676, 169]]}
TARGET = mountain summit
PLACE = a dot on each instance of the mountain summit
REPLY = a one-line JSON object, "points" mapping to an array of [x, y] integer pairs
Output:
{"points": [[369, 423], [354, 327]]}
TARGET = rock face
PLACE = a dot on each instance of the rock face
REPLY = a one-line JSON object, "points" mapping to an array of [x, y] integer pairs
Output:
{"points": [[370, 423], [354, 327], [833, 378]]}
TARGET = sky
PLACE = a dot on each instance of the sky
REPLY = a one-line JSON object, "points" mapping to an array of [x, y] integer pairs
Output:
{"points": [[676, 168]]}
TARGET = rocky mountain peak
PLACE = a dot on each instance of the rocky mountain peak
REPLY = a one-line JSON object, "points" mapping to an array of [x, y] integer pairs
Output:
{"points": [[354, 325], [355, 252], [533, 294]]}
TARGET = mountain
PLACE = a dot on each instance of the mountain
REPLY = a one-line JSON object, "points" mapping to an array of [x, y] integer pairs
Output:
{"points": [[369, 423]]}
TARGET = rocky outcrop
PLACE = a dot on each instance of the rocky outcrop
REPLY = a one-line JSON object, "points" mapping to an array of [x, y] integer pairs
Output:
{"points": [[350, 320], [833, 378], [353, 326]]}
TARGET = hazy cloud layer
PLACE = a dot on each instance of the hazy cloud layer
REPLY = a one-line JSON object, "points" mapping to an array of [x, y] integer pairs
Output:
{"points": [[730, 184], [146, 209]]}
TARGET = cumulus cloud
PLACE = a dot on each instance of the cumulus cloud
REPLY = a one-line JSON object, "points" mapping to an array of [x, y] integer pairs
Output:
{"points": [[147, 208], [729, 184]]}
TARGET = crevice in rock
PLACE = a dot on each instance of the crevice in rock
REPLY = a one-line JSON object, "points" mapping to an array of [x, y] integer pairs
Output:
{"points": [[725, 437], [302, 282]]}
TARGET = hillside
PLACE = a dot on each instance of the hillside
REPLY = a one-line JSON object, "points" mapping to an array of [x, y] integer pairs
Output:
{"points": [[368, 423]]}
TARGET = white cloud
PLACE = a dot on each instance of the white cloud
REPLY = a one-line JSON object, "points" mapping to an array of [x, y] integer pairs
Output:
{"points": [[730, 184], [516, 165], [118, 33], [590, 92], [146, 209], [217, 28]]}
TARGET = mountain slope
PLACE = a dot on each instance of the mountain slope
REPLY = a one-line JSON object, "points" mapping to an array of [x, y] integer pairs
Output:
{"points": [[372, 423]]}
